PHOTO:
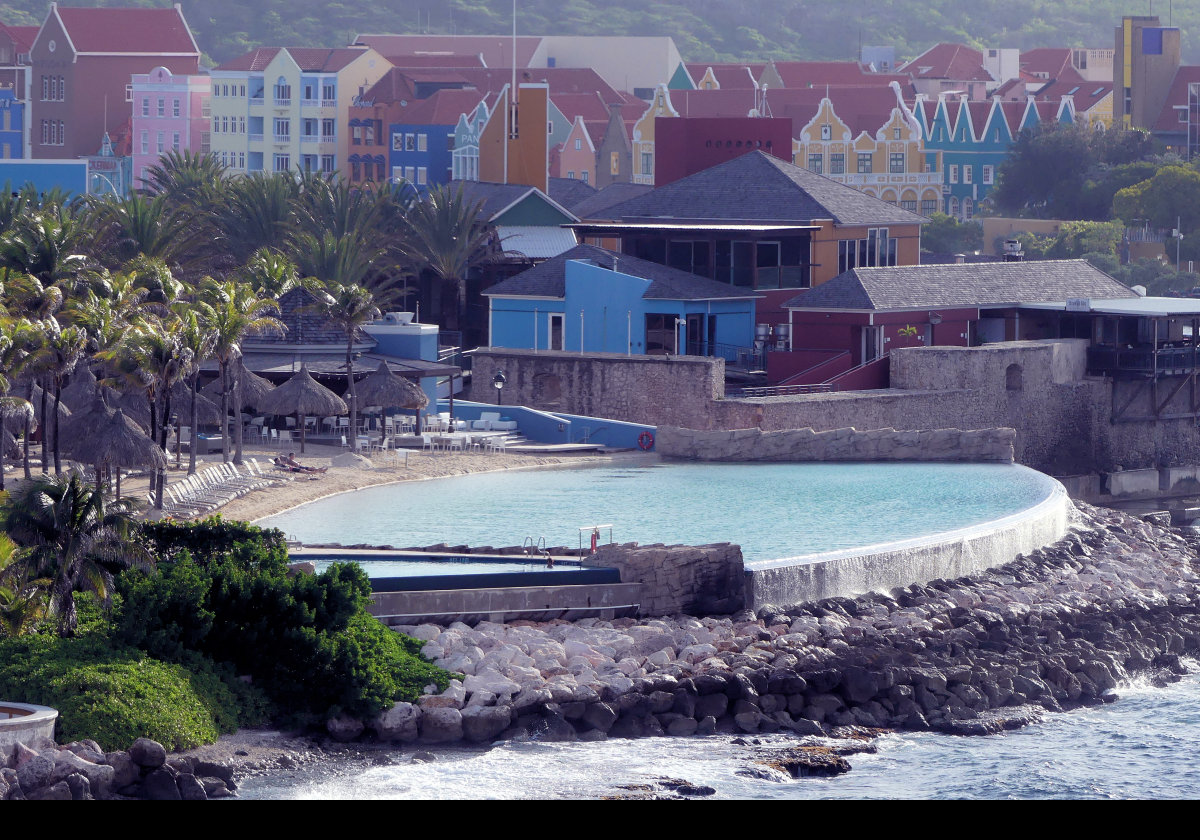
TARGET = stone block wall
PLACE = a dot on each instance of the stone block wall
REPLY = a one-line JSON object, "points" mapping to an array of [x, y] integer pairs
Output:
{"points": [[680, 579], [994, 445]]}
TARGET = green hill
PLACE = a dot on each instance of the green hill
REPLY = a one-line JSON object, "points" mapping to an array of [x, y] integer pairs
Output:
{"points": [[723, 30]]}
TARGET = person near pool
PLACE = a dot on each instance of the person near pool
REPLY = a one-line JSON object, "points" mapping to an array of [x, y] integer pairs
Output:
{"points": [[295, 466]]}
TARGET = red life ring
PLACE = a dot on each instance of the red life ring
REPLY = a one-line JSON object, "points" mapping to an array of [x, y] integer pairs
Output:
{"points": [[646, 441]]}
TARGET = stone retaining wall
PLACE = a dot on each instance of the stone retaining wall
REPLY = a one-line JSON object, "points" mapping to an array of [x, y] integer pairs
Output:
{"points": [[680, 579], [995, 445]]}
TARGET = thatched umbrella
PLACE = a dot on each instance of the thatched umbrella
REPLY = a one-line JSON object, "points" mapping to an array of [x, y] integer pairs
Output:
{"points": [[303, 395], [207, 411], [386, 389], [252, 386], [107, 438]]}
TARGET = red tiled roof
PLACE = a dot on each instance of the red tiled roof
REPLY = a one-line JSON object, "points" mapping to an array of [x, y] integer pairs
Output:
{"points": [[979, 114], [442, 108], [1050, 63], [439, 60], [22, 36], [253, 61], [558, 79], [861, 108], [727, 75], [1177, 95], [803, 74], [587, 105], [141, 31], [1013, 113], [1085, 94], [496, 50], [956, 62]]}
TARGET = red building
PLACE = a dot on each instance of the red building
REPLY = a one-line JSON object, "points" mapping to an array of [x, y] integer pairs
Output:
{"points": [[82, 62], [686, 145]]}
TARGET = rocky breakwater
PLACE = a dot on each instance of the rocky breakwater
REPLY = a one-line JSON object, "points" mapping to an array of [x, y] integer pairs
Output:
{"points": [[82, 770], [1057, 629]]}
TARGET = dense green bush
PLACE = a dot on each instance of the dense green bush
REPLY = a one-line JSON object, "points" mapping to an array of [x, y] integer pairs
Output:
{"points": [[115, 694], [307, 640], [216, 538]]}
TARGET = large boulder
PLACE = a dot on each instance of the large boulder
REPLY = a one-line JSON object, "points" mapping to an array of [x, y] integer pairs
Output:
{"points": [[148, 754], [344, 728], [35, 773], [125, 770], [399, 723], [100, 776], [160, 786], [441, 725], [483, 723]]}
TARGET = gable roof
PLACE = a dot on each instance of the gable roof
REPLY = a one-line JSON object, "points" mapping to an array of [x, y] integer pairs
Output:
{"points": [[22, 36], [548, 279], [309, 59], [442, 108], [955, 62], [961, 285], [1050, 63], [569, 191], [813, 74], [596, 205], [758, 187], [496, 198], [1177, 96], [133, 31], [727, 75]]}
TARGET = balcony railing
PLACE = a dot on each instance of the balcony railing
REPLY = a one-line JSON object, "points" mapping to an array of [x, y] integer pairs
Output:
{"points": [[282, 102], [309, 103], [283, 138], [1144, 361], [254, 138], [309, 138]]}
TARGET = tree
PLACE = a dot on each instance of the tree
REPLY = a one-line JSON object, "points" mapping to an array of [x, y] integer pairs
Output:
{"points": [[1171, 197], [235, 312], [946, 235], [1045, 172], [141, 226], [446, 236], [73, 538]]}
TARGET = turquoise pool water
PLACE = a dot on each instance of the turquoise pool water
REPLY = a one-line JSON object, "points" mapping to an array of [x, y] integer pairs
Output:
{"points": [[771, 510]]}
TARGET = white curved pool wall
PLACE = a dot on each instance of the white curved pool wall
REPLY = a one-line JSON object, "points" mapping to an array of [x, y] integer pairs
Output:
{"points": [[881, 568], [22, 723]]}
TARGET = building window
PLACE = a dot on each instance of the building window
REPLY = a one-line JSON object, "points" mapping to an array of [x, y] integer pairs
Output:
{"points": [[356, 135], [929, 206], [584, 175], [896, 162], [837, 163], [422, 176], [282, 163], [283, 96], [877, 249], [145, 142], [45, 88], [397, 174], [175, 141], [162, 106], [205, 142], [328, 92], [578, 144], [310, 128], [864, 163], [283, 130], [953, 173], [909, 204], [571, 174], [968, 173], [162, 142], [128, 93], [175, 107], [145, 106], [327, 163], [989, 174], [328, 129], [369, 134], [816, 163], [422, 142], [647, 163]]}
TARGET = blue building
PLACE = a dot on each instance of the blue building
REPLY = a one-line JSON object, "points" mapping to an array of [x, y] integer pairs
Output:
{"points": [[70, 176], [592, 300], [12, 125], [968, 140], [423, 141]]}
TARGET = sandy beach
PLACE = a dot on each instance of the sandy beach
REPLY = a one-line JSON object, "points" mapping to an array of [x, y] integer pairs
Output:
{"points": [[386, 469]]}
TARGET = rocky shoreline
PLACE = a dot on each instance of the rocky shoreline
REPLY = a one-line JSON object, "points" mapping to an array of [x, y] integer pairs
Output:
{"points": [[1058, 629]]}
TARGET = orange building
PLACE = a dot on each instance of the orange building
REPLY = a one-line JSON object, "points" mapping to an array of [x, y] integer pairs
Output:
{"points": [[514, 147]]}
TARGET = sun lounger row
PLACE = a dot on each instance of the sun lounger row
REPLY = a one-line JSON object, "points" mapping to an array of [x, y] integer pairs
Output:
{"points": [[211, 488]]}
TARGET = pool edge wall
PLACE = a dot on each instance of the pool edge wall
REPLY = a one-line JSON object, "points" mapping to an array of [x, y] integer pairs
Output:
{"points": [[26, 728], [948, 555]]}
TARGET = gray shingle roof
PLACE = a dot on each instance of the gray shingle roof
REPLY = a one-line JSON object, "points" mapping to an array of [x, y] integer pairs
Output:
{"points": [[496, 198], [569, 191], [758, 187], [596, 206], [988, 284], [304, 326], [548, 279]]}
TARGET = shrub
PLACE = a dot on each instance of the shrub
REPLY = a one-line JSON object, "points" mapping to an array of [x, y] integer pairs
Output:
{"points": [[118, 694], [307, 640]]}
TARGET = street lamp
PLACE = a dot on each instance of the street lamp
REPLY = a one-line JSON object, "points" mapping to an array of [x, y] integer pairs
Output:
{"points": [[498, 382]]}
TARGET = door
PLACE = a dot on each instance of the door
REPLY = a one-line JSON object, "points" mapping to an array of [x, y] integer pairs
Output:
{"points": [[555, 331]]}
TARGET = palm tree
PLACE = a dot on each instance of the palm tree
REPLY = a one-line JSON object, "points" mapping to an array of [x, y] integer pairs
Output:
{"points": [[185, 178], [447, 237], [139, 226], [256, 211], [269, 273], [49, 245], [73, 538], [199, 342], [61, 350], [236, 312], [348, 306], [15, 341]]}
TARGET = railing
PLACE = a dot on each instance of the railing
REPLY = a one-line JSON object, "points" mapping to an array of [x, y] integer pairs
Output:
{"points": [[811, 371], [309, 138], [283, 138], [279, 102], [310, 103], [738, 356], [328, 103], [254, 138], [868, 376], [1144, 361], [784, 390]]}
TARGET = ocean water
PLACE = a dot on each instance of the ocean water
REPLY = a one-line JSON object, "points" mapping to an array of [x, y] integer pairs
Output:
{"points": [[770, 510], [1142, 746]]}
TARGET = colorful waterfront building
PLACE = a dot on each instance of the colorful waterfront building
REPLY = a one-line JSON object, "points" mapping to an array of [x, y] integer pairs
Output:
{"points": [[170, 113], [281, 109]]}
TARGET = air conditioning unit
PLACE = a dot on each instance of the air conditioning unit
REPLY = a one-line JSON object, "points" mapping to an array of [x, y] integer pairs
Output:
{"points": [[398, 318]]}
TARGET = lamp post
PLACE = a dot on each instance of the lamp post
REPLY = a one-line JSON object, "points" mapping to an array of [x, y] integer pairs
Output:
{"points": [[498, 382]]}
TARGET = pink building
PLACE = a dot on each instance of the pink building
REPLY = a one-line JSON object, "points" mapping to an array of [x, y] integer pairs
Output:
{"points": [[170, 113]]}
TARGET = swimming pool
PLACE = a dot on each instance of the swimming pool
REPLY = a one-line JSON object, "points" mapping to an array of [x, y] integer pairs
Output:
{"points": [[771, 510]]}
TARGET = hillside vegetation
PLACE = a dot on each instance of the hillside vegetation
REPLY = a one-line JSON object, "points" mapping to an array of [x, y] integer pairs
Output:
{"points": [[724, 30]]}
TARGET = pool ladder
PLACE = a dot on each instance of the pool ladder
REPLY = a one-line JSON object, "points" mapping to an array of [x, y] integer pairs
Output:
{"points": [[529, 547]]}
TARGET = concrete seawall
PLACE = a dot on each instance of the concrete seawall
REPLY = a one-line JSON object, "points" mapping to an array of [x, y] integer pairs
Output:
{"points": [[882, 568]]}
